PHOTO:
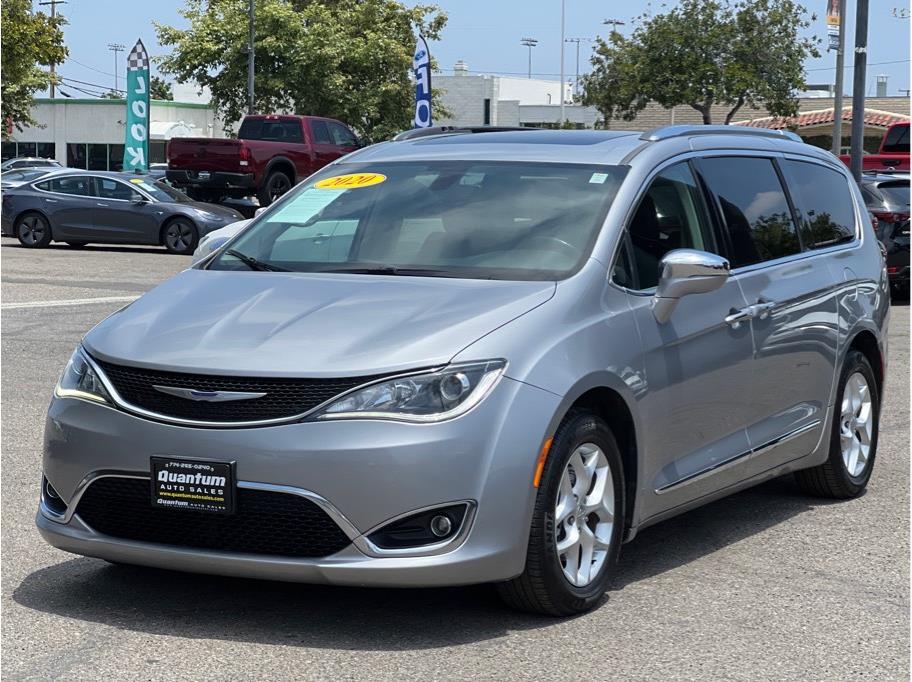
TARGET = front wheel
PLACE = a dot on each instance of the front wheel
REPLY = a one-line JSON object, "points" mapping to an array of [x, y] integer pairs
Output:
{"points": [[180, 236], [853, 438], [576, 524]]}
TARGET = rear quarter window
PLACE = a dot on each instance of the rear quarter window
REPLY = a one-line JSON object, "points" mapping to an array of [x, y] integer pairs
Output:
{"points": [[823, 199]]}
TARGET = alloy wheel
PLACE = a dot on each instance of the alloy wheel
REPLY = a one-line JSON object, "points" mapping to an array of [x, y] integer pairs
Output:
{"points": [[31, 230], [179, 236], [856, 424], [584, 514]]}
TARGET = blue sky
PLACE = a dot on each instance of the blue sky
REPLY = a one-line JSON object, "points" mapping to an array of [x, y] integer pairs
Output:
{"points": [[484, 33]]}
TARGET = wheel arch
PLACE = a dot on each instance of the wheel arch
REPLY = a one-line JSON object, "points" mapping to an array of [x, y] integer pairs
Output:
{"points": [[607, 396], [170, 219], [865, 342], [280, 164]]}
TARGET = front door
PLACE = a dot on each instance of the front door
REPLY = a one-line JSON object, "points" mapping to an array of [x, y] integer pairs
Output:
{"points": [[123, 214], [697, 367]]}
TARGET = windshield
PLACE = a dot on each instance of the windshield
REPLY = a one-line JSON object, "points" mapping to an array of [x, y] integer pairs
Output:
{"points": [[896, 193], [160, 190], [474, 219]]}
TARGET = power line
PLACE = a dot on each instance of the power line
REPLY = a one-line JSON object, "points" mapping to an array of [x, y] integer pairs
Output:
{"points": [[94, 85], [90, 68]]}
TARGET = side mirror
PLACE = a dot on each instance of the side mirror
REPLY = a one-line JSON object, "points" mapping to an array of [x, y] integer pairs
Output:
{"points": [[139, 201], [683, 272]]}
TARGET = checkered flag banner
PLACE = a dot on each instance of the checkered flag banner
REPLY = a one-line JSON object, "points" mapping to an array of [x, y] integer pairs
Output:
{"points": [[139, 58]]}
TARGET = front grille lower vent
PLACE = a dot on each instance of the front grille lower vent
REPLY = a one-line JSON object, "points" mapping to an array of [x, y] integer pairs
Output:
{"points": [[264, 522]]}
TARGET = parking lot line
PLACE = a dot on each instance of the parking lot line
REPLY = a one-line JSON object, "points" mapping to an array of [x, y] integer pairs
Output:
{"points": [[66, 302]]}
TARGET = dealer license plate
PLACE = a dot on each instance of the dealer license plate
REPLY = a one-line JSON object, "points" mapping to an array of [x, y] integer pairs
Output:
{"points": [[193, 485]]}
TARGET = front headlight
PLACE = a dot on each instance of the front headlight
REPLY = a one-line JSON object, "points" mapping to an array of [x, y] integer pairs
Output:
{"points": [[422, 398], [79, 380], [205, 214]]}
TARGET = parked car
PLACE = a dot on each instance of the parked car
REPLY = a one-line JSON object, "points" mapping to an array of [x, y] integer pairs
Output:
{"points": [[28, 162], [217, 239], [482, 357], [270, 155], [78, 207], [16, 177], [887, 198], [893, 154]]}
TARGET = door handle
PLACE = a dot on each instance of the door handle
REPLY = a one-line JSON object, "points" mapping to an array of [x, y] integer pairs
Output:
{"points": [[760, 310], [50, 201], [98, 203]]}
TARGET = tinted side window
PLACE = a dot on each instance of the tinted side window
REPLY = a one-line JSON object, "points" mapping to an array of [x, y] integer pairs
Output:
{"points": [[342, 136], [897, 140], [671, 215], [320, 132], [824, 204], [78, 186], [106, 188], [754, 207]]}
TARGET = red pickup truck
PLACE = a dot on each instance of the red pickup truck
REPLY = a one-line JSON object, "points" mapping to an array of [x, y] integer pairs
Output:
{"points": [[893, 154], [270, 155]]}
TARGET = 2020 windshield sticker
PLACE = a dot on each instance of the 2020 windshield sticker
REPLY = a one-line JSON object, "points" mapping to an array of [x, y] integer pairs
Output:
{"points": [[351, 181]]}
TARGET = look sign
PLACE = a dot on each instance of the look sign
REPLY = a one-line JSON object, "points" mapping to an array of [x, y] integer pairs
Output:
{"points": [[136, 144]]}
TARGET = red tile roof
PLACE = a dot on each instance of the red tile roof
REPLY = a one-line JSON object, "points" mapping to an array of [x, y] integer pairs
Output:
{"points": [[873, 117]]}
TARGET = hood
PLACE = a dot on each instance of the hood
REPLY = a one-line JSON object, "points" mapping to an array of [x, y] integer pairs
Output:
{"points": [[215, 209], [304, 324]]}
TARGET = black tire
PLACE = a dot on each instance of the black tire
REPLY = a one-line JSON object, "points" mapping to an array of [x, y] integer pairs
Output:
{"points": [[76, 245], [832, 478], [180, 236], [275, 186], [33, 230], [542, 587]]}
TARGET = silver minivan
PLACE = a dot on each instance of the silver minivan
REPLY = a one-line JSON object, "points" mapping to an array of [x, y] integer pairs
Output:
{"points": [[466, 357]]}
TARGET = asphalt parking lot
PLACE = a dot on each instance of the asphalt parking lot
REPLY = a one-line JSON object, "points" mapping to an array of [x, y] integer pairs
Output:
{"points": [[767, 584]]}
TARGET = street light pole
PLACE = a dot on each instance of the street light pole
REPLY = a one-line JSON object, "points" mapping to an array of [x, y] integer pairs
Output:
{"points": [[858, 87], [250, 58], [576, 90], [52, 65], [840, 74], [530, 43], [563, 8]]}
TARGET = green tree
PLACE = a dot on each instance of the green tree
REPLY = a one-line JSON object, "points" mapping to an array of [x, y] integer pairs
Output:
{"points": [[30, 41], [705, 52], [347, 59], [160, 89], [112, 94]]}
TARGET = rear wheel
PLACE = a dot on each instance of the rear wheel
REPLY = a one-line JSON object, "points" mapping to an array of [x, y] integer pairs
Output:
{"points": [[180, 236], [33, 231], [275, 186], [853, 438], [576, 524]]}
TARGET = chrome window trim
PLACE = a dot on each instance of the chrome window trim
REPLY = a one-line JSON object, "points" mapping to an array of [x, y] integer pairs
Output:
{"points": [[858, 242], [356, 537], [132, 188], [129, 407]]}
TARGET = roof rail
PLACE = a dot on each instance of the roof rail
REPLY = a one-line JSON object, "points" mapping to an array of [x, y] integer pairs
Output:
{"points": [[667, 132], [450, 130]]}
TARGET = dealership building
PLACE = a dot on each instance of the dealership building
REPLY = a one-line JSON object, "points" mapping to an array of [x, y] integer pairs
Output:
{"points": [[89, 133]]}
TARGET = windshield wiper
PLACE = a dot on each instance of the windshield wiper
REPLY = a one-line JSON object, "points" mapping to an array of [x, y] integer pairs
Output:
{"points": [[389, 270], [255, 264]]}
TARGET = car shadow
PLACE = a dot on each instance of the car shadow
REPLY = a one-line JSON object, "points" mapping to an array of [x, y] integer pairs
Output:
{"points": [[205, 607], [112, 248]]}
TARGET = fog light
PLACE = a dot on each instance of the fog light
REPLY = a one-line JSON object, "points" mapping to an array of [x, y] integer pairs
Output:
{"points": [[441, 526]]}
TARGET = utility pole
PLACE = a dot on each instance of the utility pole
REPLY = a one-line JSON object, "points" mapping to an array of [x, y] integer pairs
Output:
{"points": [[250, 57], [53, 4], [530, 43], [840, 75], [563, 12], [858, 87], [576, 90], [614, 23], [116, 48]]}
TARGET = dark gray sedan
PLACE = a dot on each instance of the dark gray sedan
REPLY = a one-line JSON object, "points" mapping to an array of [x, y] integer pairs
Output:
{"points": [[78, 207]]}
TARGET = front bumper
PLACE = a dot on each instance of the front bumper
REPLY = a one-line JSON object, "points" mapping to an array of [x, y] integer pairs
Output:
{"points": [[366, 472]]}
